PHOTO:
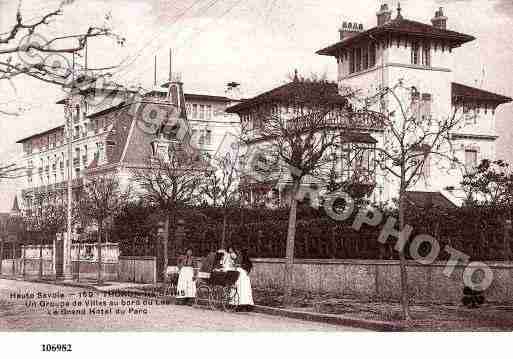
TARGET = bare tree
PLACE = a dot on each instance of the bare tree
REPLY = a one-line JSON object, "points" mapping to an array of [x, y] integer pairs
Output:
{"points": [[221, 185], [298, 136], [170, 184], [25, 49], [101, 199], [412, 141], [47, 217]]}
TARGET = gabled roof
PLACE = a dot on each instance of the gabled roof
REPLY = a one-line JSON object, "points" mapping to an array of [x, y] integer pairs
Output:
{"points": [[61, 127], [107, 110], [428, 199], [296, 90], [464, 93], [400, 26], [116, 138]]}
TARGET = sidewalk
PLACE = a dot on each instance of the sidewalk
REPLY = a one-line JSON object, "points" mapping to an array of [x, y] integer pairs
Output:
{"points": [[345, 311], [139, 289], [85, 283]]}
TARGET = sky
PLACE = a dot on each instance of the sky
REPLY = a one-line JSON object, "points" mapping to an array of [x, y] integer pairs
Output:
{"points": [[254, 42]]}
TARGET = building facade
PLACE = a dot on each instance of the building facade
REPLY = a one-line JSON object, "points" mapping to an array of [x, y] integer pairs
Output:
{"points": [[418, 57], [422, 57], [106, 136]]}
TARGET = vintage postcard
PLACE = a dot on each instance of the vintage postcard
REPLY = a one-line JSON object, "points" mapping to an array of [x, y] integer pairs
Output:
{"points": [[255, 166]]}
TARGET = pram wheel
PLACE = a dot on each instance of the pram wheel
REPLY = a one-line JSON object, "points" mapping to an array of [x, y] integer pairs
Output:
{"points": [[230, 299]]}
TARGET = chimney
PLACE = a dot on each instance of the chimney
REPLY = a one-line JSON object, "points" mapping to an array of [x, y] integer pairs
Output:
{"points": [[439, 21], [175, 93], [384, 15], [350, 29]]}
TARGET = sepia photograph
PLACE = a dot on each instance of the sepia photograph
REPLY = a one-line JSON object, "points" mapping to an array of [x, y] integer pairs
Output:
{"points": [[255, 166]]}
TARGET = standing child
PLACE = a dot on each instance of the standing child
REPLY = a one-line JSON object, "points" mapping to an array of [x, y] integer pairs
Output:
{"points": [[186, 287]]}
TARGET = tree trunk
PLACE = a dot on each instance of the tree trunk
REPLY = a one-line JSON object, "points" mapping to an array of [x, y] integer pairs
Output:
{"points": [[165, 255], [289, 252], [79, 250], [402, 261], [41, 258], [1, 255], [223, 238], [100, 229]]}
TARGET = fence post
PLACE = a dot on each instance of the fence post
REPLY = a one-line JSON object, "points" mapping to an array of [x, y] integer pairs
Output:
{"points": [[14, 258]]}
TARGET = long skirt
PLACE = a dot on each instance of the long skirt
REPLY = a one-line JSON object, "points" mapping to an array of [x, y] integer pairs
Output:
{"points": [[186, 287], [244, 291]]}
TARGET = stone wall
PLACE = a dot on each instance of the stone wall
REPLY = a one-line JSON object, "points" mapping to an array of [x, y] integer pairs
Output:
{"points": [[380, 279]]}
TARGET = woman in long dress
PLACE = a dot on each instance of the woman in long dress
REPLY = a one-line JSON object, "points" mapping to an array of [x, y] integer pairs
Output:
{"points": [[229, 260], [243, 284], [186, 287]]}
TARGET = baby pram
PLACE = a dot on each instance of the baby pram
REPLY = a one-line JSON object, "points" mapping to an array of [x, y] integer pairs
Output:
{"points": [[216, 288]]}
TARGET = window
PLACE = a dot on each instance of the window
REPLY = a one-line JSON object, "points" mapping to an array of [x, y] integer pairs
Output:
{"points": [[415, 55], [208, 137], [426, 55], [27, 147], [365, 58], [195, 111], [209, 112], [358, 60], [470, 159], [372, 55], [202, 112], [425, 110], [351, 61]]}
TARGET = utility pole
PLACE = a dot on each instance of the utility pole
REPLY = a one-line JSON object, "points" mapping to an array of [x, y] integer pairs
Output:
{"points": [[170, 65], [68, 114], [155, 73]]}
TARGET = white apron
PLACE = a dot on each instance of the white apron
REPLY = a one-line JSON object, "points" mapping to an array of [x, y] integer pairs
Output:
{"points": [[186, 287], [244, 288]]}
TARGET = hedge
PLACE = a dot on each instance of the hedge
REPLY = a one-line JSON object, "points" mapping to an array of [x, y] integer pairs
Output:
{"points": [[478, 233]]}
